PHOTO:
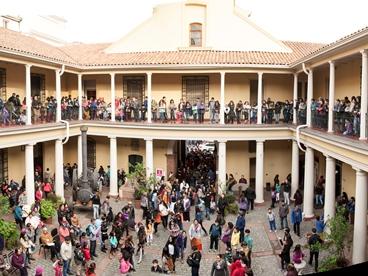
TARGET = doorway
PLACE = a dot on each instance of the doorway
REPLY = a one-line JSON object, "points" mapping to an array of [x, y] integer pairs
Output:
{"points": [[38, 157], [253, 98], [133, 160], [252, 172], [134, 87], [38, 86], [89, 87]]}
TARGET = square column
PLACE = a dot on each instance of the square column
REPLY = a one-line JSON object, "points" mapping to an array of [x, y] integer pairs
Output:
{"points": [[294, 168], [149, 157], [29, 166], [221, 181], [222, 99], [329, 210], [58, 95], [308, 183], [80, 156], [59, 169], [149, 97], [360, 221], [80, 100], [295, 97], [113, 96], [28, 95], [259, 98], [364, 96], [259, 171], [331, 96], [309, 98], [113, 167]]}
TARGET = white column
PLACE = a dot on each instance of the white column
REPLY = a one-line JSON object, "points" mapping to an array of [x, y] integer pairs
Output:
{"points": [[221, 167], [259, 98], [113, 96], [80, 99], [364, 96], [113, 167], [308, 183], [149, 97], [30, 184], [329, 210], [222, 99], [259, 171], [58, 95], [149, 157], [294, 168], [309, 97], [80, 156], [59, 169], [360, 221], [295, 97], [28, 95], [331, 96]]}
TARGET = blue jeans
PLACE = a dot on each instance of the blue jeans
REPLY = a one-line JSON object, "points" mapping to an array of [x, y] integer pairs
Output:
{"points": [[96, 211], [272, 225], [284, 222], [319, 199], [66, 267]]}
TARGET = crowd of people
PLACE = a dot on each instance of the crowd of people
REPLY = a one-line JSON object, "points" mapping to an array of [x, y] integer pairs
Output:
{"points": [[171, 202]]}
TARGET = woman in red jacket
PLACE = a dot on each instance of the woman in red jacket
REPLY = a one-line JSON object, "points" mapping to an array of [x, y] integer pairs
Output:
{"points": [[237, 269]]}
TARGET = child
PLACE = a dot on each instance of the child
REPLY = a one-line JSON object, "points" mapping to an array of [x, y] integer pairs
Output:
{"points": [[271, 220], [228, 257], [155, 267], [235, 239], [125, 266], [113, 244], [58, 267], [149, 232], [86, 252]]}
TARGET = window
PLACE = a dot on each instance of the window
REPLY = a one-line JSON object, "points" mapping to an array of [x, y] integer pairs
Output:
{"points": [[3, 84], [3, 164], [195, 87], [195, 35], [133, 160], [134, 87]]}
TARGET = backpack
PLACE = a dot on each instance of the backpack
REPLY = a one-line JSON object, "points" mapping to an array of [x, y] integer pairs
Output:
{"points": [[88, 230], [215, 230]]}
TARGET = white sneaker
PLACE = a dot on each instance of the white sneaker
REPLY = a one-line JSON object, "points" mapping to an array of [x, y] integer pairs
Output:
{"points": [[270, 231]]}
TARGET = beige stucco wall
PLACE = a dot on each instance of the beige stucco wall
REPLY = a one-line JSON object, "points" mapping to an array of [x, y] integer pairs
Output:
{"points": [[348, 179], [16, 164], [278, 87], [237, 159], [277, 160], [15, 78]]}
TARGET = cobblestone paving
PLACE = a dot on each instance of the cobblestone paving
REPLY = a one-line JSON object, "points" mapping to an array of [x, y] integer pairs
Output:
{"points": [[265, 259]]}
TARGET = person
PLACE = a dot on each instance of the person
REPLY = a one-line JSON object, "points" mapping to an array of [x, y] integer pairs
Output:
{"points": [[221, 204], [235, 239], [298, 256], [298, 198], [18, 262], [79, 259], [226, 236], [125, 266], [91, 270], [291, 270], [181, 244], [155, 267], [93, 232], [320, 224], [273, 197], [194, 261], [47, 241], [96, 203], [283, 213], [113, 241], [4, 266], [195, 233], [240, 224], [271, 220], [287, 188], [219, 267], [286, 244], [237, 268], [58, 267], [313, 242], [66, 253], [215, 234], [250, 194], [38, 271], [249, 241], [296, 218], [141, 240]]}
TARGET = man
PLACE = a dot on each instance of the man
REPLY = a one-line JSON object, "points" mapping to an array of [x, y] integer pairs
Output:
{"points": [[66, 253], [194, 261], [221, 204], [296, 218], [215, 234], [240, 224], [211, 107], [18, 261], [249, 241], [287, 188], [48, 242], [250, 194], [314, 241], [94, 231], [283, 213], [286, 244]]}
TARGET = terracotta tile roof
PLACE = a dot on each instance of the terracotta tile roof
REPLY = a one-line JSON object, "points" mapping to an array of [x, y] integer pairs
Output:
{"points": [[93, 55]]}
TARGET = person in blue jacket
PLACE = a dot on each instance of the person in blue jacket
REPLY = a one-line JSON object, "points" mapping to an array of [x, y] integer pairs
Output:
{"points": [[296, 218], [240, 224], [18, 212], [320, 224]]}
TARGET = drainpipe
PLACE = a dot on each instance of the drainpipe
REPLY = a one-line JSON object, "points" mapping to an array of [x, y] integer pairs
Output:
{"points": [[67, 131]]}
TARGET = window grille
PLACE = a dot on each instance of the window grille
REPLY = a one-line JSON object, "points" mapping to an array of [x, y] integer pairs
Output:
{"points": [[134, 86], [195, 35], [195, 87], [3, 164]]}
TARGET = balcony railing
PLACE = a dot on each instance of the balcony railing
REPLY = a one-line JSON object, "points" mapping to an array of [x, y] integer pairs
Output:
{"points": [[347, 123]]}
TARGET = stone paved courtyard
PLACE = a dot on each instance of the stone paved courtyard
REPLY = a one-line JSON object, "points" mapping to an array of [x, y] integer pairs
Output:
{"points": [[265, 260]]}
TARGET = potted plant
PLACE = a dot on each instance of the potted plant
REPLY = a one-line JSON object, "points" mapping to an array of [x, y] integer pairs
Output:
{"points": [[8, 229], [47, 210], [137, 178]]}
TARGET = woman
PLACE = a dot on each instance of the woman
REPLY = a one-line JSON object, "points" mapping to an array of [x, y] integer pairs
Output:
{"points": [[91, 270], [219, 267], [27, 246], [226, 236], [235, 239], [172, 108], [195, 234], [298, 256], [164, 212]]}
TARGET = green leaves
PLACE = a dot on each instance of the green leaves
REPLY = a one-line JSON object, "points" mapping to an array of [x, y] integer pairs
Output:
{"points": [[47, 209], [10, 233], [4, 205]]}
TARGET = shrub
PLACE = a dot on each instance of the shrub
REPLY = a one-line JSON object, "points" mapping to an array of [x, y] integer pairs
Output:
{"points": [[10, 232], [47, 209], [4, 205], [230, 198], [56, 200], [232, 208]]}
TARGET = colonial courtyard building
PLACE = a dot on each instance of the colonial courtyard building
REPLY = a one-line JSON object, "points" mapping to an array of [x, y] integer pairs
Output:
{"points": [[194, 50]]}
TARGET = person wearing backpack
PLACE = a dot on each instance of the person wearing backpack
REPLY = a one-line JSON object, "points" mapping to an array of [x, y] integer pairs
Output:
{"points": [[215, 234], [194, 261], [313, 240]]}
